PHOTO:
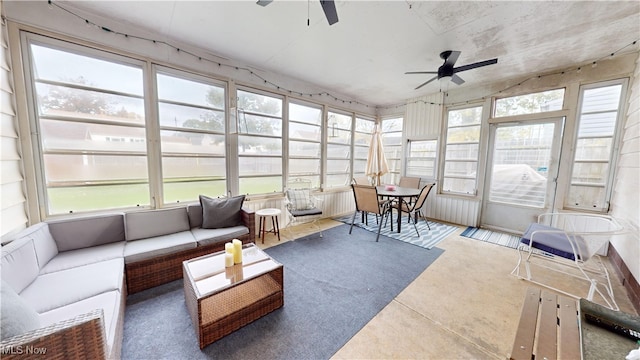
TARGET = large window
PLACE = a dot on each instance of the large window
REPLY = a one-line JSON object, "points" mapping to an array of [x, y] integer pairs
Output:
{"points": [[392, 141], [305, 131], [597, 126], [259, 143], [462, 151], [421, 158], [338, 163], [91, 129], [115, 132], [192, 127], [361, 141]]}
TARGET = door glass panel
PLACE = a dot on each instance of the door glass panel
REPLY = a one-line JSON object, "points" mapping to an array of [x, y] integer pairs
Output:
{"points": [[521, 159]]}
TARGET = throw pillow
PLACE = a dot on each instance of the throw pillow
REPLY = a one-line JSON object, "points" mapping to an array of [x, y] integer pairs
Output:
{"points": [[17, 317], [300, 199], [222, 212]]}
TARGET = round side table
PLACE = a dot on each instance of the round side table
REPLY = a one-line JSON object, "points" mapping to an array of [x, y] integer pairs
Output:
{"points": [[262, 222]]}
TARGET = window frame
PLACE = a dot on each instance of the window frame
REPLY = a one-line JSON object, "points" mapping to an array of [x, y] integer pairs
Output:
{"points": [[480, 159], [393, 176], [188, 76], [428, 177], [28, 39], [356, 146], [239, 133], [328, 135], [615, 145], [319, 142]]}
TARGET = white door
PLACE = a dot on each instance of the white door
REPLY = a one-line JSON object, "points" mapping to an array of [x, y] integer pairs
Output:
{"points": [[522, 176]]}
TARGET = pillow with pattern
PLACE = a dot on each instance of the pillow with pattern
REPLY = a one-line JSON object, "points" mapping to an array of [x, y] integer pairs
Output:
{"points": [[300, 199]]}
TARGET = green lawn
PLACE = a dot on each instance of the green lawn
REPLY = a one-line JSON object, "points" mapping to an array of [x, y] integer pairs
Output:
{"points": [[89, 198]]}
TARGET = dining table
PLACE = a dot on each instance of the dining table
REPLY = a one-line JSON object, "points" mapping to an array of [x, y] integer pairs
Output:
{"points": [[399, 193]]}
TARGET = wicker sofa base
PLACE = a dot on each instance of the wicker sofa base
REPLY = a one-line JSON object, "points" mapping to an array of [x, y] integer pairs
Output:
{"points": [[145, 274]]}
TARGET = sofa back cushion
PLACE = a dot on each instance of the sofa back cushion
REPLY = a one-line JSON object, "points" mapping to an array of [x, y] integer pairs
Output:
{"points": [[85, 232], [146, 224], [195, 215], [43, 242], [19, 263], [17, 317]]}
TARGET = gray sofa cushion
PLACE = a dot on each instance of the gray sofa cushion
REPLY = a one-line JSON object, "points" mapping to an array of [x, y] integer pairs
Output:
{"points": [[109, 302], [60, 288], [43, 242], [74, 258], [17, 317], [156, 246], [147, 224], [221, 213], [79, 233], [19, 263], [195, 215], [212, 236]]}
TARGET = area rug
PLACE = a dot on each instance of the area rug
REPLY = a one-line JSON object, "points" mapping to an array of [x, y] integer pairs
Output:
{"points": [[333, 286], [493, 237], [427, 239]]}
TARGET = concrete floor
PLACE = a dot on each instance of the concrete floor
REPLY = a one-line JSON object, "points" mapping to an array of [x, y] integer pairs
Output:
{"points": [[465, 305]]}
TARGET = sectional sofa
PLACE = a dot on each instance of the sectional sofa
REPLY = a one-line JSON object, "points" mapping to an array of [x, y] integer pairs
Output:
{"points": [[65, 282]]}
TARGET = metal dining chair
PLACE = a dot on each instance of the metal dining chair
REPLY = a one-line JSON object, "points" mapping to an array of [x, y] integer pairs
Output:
{"points": [[412, 209], [410, 182], [367, 201]]}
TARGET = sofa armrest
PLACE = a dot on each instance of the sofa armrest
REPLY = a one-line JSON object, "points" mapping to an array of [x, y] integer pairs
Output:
{"points": [[249, 220], [81, 337]]}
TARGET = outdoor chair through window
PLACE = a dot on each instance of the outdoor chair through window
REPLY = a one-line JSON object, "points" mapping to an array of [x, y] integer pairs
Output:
{"points": [[367, 201], [302, 207], [568, 244], [413, 209]]}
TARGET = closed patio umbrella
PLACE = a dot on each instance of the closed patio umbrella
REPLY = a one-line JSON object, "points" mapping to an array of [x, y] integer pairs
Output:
{"points": [[376, 161]]}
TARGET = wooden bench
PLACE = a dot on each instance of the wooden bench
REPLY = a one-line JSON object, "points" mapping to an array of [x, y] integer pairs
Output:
{"points": [[549, 327]]}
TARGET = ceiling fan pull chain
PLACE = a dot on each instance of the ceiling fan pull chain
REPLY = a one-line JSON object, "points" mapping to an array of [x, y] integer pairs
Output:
{"points": [[308, 2]]}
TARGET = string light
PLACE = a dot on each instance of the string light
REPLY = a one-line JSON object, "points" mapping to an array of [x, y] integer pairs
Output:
{"points": [[88, 23], [53, 4]]}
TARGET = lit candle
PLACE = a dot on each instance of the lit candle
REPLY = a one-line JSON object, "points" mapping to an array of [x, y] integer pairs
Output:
{"points": [[228, 260], [237, 251]]}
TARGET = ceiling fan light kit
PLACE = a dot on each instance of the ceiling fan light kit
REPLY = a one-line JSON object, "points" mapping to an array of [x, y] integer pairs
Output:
{"points": [[447, 73]]}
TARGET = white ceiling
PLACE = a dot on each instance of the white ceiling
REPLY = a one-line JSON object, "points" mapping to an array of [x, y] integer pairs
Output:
{"points": [[365, 55]]}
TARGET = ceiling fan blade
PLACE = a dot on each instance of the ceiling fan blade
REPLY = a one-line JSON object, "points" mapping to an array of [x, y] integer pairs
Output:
{"points": [[452, 58], [264, 2], [433, 78], [421, 72], [475, 65], [457, 79], [330, 12]]}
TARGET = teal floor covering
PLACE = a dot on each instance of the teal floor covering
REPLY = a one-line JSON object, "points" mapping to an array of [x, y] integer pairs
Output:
{"points": [[427, 239]]}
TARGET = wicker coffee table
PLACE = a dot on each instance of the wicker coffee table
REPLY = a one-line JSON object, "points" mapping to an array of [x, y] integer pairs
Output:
{"points": [[221, 300]]}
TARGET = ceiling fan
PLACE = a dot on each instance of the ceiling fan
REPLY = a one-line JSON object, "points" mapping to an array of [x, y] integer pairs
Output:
{"points": [[328, 6], [448, 71]]}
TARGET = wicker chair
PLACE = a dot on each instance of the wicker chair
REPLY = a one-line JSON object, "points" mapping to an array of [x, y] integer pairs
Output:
{"points": [[367, 201]]}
